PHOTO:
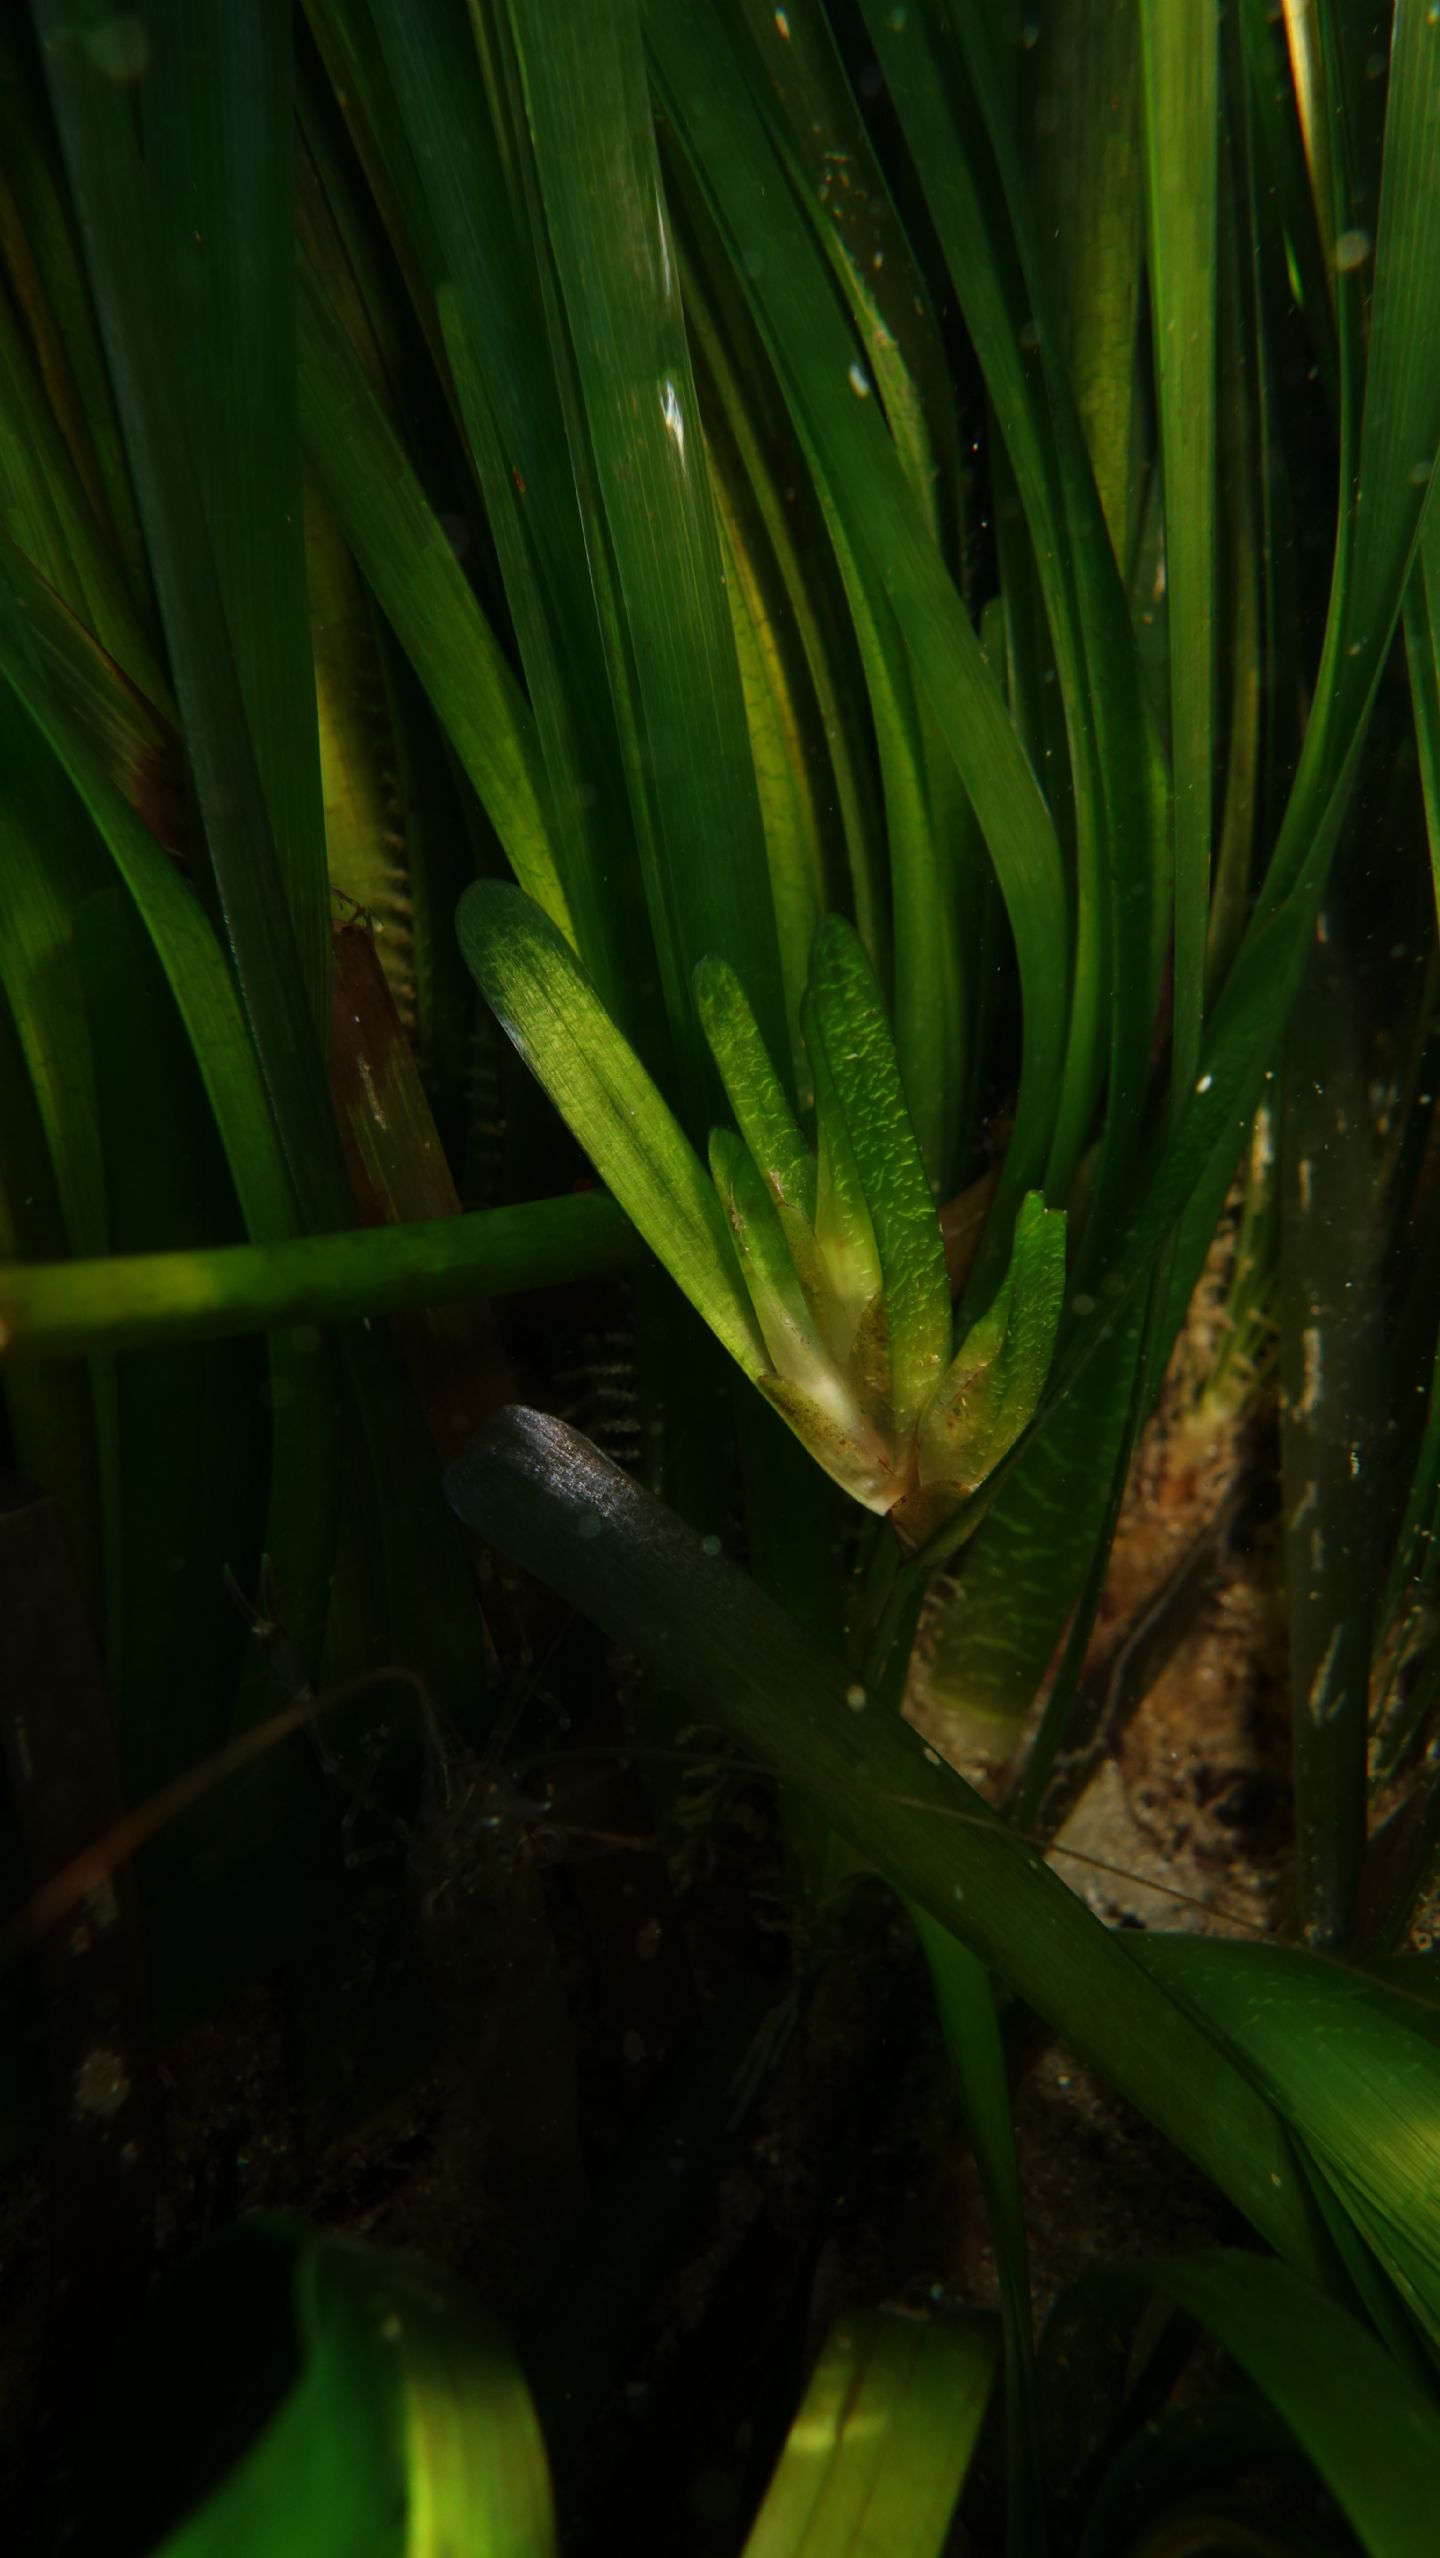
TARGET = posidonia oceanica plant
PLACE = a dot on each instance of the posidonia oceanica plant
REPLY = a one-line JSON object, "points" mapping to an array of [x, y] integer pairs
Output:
{"points": [[883, 558]]}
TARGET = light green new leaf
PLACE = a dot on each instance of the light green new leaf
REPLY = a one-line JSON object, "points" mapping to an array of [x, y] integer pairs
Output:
{"points": [[1037, 1282], [994, 1385], [847, 1029], [407, 2431], [878, 2452], [770, 1274], [916, 791], [849, 1253], [534, 984], [783, 740], [752, 1087]]}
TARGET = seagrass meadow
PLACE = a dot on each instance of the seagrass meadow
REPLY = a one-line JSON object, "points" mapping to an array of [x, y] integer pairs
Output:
{"points": [[719, 1278]]}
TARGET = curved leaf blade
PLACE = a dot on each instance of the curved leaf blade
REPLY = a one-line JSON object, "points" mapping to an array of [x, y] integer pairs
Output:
{"points": [[878, 2453], [402, 549], [544, 1495], [535, 986], [813, 351], [1359, 2085], [1372, 2434], [407, 2431], [646, 496], [752, 1087]]}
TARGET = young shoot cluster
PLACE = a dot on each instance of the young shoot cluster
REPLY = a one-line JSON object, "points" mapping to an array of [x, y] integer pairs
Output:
{"points": [[821, 1268]]}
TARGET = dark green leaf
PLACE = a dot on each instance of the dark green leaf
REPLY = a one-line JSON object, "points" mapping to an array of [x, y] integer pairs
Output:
{"points": [[550, 1500]]}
